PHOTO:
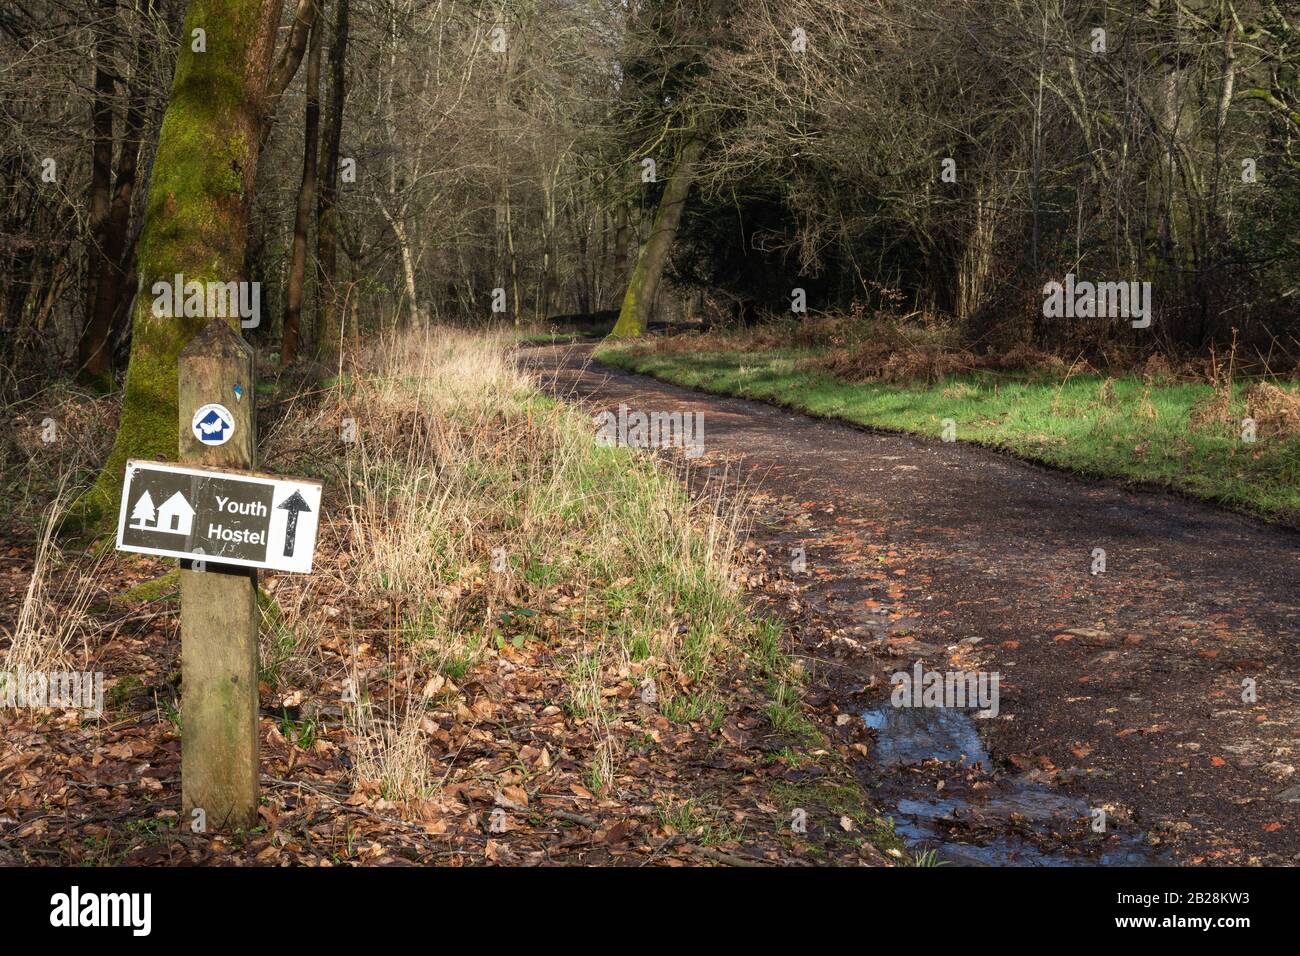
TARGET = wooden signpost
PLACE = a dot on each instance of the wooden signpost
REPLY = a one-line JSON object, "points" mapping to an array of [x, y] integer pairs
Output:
{"points": [[219, 757], [224, 522]]}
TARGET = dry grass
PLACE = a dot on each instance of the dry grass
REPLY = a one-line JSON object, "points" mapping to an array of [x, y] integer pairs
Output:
{"points": [[468, 498], [52, 627], [927, 351], [389, 750], [1216, 409], [1157, 370], [859, 346], [1276, 412], [890, 362], [1022, 357], [293, 620], [56, 436]]}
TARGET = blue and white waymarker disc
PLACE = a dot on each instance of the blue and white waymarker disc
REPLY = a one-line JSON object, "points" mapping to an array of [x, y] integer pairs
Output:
{"points": [[213, 424]]}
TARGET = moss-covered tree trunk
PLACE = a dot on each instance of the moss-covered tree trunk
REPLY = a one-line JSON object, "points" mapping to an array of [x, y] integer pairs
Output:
{"points": [[195, 218], [650, 264]]}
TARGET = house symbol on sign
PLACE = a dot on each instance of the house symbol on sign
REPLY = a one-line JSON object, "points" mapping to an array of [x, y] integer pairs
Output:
{"points": [[174, 516]]}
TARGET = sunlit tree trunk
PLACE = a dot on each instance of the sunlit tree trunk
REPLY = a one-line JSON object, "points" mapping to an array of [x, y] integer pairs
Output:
{"points": [[650, 264], [408, 269]]}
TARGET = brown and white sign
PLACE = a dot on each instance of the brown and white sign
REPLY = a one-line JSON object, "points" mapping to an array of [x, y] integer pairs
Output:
{"points": [[219, 515]]}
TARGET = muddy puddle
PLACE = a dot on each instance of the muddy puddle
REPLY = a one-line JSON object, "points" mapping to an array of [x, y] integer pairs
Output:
{"points": [[948, 797]]}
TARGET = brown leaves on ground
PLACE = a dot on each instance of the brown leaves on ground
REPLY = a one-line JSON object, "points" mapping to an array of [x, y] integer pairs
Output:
{"points": [[509, 767]]}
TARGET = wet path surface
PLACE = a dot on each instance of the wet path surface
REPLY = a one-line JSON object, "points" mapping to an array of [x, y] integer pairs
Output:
{"points": [[1147, 713]]}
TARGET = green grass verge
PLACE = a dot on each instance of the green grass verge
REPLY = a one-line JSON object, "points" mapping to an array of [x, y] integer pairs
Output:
{"points": [[1124, 428]]}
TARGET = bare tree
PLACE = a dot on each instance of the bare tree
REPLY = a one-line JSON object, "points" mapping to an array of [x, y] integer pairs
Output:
{"points": [[306, 192]]}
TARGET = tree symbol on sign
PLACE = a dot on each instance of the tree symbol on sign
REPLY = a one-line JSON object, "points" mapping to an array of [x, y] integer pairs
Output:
{"points": [[142, 516]]}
